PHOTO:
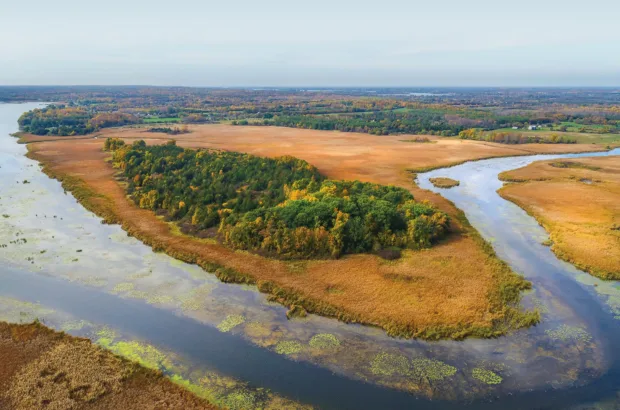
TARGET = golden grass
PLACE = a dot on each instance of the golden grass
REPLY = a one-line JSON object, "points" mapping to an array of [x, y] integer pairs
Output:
{"points": [[578, 202], [46, 369], [456, 289]]}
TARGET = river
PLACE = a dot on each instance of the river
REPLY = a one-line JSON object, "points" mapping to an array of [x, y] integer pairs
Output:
{"points": [[59, 264]]}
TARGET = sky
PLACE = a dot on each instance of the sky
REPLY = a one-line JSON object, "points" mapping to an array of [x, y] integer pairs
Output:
{"points": [[325, 43]]}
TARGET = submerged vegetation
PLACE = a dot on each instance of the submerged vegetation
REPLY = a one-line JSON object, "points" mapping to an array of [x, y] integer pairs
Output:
{"points": [[486, 376], [420, 369], [280, 207]]}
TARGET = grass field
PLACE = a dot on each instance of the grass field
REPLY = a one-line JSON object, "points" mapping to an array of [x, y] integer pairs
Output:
{"points": [[578, 203], [151, 120], [455, 289]]}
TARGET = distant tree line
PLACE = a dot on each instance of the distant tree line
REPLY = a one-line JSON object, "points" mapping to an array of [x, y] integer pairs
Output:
{"points": [[279, 207], [63, 121], [513, 137]]}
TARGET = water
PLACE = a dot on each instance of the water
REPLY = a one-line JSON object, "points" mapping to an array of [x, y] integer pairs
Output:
{"points": [[90, 279]]}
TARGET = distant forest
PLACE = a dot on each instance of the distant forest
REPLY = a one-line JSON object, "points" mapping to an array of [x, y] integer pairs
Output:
{"points": [[279, 207], [443, 112]]}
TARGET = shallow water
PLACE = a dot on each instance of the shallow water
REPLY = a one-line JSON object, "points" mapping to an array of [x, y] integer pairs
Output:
{"points": [[60, 264]]}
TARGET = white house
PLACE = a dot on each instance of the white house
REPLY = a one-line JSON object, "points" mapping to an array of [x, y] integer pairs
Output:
{"points": [[532, 127]]}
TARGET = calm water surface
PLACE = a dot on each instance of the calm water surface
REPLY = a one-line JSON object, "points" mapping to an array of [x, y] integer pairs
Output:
{"points": [[60, 264]]}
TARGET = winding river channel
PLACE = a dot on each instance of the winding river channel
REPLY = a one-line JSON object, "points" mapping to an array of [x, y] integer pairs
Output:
{"points": [[60, 264]]}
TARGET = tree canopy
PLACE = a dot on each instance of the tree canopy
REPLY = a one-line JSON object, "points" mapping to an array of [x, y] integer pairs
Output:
{"points": [[278, 207]]}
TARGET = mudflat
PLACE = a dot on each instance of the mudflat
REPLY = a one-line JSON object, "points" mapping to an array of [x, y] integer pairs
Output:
{"points": [[452, 290], [578, 202]]}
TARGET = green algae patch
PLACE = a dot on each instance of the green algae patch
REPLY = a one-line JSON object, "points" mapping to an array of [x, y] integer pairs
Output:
{"points": [[287, 347], [486, 376], [566, 333], [199, 390], [388, 364], [324, 341], [105, 337], [429, 369], [123, 287], [230, 322], [145, 354]]}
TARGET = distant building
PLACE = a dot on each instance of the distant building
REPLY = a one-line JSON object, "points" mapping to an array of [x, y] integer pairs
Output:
{"points": [[515, 128], [532, 127]]}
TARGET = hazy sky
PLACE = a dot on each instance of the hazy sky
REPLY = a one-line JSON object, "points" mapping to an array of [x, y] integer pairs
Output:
{"points": [[317, 42]]}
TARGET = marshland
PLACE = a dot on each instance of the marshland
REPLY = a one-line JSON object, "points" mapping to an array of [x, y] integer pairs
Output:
{"points": [[480, 310]]}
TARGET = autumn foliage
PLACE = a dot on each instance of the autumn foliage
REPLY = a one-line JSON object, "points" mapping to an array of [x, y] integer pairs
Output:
{"points": [[281, 207]]}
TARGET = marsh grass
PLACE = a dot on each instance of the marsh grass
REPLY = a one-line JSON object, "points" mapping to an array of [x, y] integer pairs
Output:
{"points": [[51, 370], [577, 216], [443, 182]]}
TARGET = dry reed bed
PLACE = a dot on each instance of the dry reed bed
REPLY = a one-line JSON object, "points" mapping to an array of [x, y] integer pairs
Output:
{"points": [[578, 202]]}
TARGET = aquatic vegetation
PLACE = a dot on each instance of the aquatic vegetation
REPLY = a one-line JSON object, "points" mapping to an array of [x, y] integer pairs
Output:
{"points": [[143, 353], [158, 299], [430, 369], [389, 364], [288, 347], [123, 287], [195, 300], [18, 311], [324, 341], [75, 325], [230, 322], [486, 376], [240, 400], [105, 336], [420, 369], [566, 333]]}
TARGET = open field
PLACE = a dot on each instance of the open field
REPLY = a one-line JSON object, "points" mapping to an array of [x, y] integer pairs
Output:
{"points": [[456, 289], [578, 202], [46, 369]]}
